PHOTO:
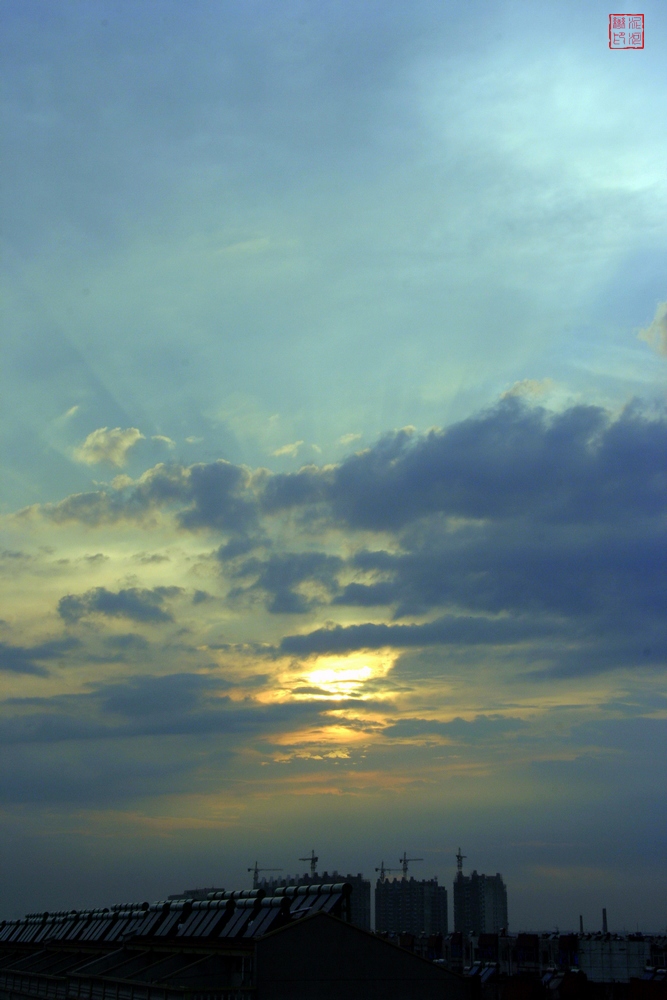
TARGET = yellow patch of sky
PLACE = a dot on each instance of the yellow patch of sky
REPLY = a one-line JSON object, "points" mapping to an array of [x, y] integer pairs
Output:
{"points": [[321, 736], [338, 677], [285, 758]]}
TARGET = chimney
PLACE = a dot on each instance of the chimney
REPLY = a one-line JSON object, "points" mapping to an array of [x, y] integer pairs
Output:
{"points": [[604, 921], [581, 924]]}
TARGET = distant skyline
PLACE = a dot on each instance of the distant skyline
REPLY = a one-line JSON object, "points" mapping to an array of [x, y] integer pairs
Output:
{"points": [[334, 449]]}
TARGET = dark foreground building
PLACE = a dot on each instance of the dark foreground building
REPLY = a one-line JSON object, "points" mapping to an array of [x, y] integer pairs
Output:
{"points": [[295, 945], [360, 898]]}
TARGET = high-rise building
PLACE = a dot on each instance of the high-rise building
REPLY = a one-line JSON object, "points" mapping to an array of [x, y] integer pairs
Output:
{"points": [[480, 903], [409, 906]]}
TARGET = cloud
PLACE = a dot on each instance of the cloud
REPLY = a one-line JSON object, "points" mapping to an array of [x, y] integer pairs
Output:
{"points": [[529, 388], [518, 567], [349, 438], [146, 705], [513, 525], [237, 546], [513, 460], [130, 641], [655, 335], [448, 630], [480, 729], [161, 439], [108, 446], [214, 495], [281, 575], [138, 604], [21, 659], [515, 512], [220, 498], [288, 449], [200, 596], [172, 694]]}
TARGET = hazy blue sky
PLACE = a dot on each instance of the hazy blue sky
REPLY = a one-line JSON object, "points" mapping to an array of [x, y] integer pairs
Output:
{"points": [[334, 448]]}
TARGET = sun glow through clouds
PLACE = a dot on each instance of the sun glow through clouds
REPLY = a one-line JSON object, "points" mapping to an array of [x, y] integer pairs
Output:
{"points": [[347, 677]]}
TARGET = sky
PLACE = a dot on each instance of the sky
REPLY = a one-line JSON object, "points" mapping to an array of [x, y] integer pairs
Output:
{"points": [[334, 449]]}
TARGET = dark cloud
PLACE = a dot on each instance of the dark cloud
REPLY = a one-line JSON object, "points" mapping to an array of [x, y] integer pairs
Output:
{"points": [[619, 645], [450, 629], [479, 729], [130, 641], [310, 485], [280, 576], [219, 499], [513, 460], [149, 696], [202, 496], [312, 690], [200, 596], [532, 523], [577, 467], [95, 508], [238, 546], [138, 604], [364, 595], [516, 567], [22, 659], [155, 706]]}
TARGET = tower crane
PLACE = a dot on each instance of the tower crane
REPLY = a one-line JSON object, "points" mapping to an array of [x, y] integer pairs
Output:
{"points": [[313, 861], [255, 873], [383, 871], [405, 860], [460, 858]]}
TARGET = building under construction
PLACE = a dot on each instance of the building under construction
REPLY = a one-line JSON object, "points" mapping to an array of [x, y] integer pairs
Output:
{"points": [[480, 902], [410, 906]]}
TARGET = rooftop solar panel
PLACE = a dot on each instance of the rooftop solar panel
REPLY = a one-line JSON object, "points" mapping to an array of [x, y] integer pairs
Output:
{"points": [[214, 922], [239, 918]]}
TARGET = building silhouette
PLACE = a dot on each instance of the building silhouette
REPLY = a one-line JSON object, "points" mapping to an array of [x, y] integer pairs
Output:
{"points": [[409, 906], [235, 945], [360, 898], [480, 903]]}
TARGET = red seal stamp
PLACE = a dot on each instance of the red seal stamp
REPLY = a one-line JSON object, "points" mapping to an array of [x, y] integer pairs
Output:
{"points": [[626, 31]]}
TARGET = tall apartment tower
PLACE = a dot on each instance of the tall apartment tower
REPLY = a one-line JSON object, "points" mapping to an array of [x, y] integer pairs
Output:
{"points": [[480, 903], [409, 906]]}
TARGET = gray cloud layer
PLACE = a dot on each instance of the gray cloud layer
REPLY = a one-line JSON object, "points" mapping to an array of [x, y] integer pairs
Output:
{"points": [[514, 526], [140, 605], [25, 659], [580, 466], [174, 704]]}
